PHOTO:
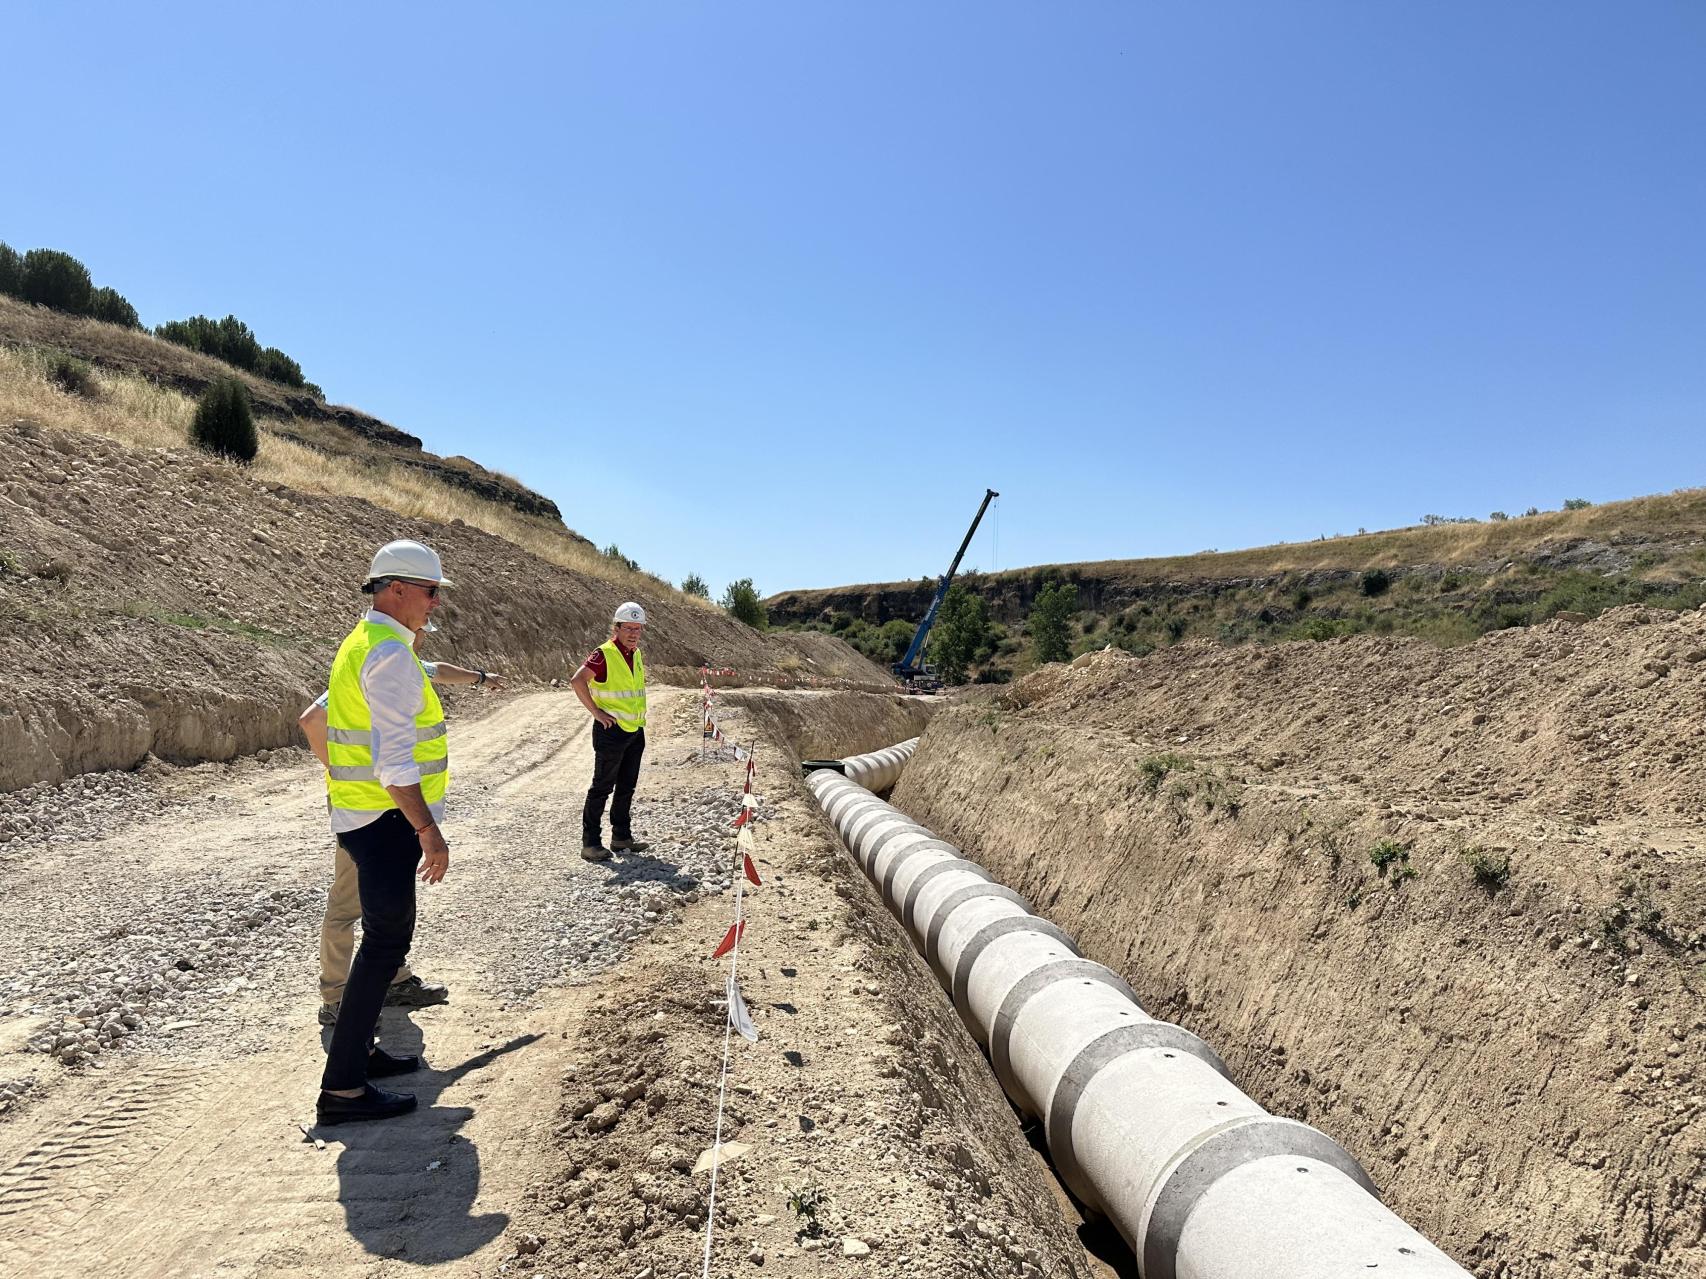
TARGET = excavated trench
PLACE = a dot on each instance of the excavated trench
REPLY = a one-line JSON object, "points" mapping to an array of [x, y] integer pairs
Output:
{"points": [[1515, 1062]]}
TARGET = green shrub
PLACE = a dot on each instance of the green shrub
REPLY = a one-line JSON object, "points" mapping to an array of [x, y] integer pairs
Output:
{"points": [[223, 422], [275, 366], [73, 376], [1389, 857], [1498, 517], [110, 305], [694, 585], [1375, 581], [1576, 504], [56, 280], [11, 271], [742, 602], [894, 637], [1492, 870], [234, 342], [1153, 770], [613, 553]]}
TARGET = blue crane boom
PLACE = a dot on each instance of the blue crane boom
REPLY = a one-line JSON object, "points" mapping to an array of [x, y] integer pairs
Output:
{"points": [[908, 668]]}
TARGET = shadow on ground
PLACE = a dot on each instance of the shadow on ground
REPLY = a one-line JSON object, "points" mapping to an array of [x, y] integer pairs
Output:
{"points": [[408, 1185]]}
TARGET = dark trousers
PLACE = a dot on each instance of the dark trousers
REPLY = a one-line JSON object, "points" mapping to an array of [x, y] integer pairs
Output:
{"points": [[385, 852], [615, 771]]}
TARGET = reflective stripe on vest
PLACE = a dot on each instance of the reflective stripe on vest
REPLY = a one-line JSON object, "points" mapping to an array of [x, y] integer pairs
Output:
{"points": [[622, 693], [352, 783]]}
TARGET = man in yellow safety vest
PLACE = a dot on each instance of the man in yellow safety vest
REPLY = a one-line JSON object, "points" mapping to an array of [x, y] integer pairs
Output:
{"points": [[611, 684], [388, 770]]}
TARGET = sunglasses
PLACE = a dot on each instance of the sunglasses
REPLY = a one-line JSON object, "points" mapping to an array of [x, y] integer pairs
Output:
{"points": [[431, 588]]}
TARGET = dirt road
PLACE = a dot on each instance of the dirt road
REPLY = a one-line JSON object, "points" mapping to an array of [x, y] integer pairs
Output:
{"points": [[178, 1149], [182, 1155]]}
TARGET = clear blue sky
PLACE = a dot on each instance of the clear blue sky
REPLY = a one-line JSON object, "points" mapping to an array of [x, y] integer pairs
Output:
{"points": [[778, 289]]}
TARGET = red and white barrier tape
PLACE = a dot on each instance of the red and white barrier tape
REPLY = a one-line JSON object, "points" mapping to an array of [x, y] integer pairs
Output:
{"points": [[737, 1018]]}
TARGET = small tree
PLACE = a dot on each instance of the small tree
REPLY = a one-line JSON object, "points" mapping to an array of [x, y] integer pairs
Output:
{"points": [[742, 602], [275, 366], [1576, 504], [111, 305], [1498, 517], [613, 553], [1375, 581], [58, 280], [223, 423], [962, 624], [694, 585], [11, 271], [1051, 640]]}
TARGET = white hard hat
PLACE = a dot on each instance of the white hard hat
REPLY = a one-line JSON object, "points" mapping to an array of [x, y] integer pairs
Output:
{"points": [[408, 559], [630, 612]]}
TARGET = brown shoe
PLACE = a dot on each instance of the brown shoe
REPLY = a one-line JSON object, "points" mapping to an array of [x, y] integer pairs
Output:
{"points": [[595, 853], [630, 845]]}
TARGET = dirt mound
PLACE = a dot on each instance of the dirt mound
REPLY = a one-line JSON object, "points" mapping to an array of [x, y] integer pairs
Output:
{"points": [[864, 1122], [1449, 906], [160, 601]]}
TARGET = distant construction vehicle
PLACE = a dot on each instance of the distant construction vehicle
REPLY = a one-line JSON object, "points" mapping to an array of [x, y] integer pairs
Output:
{"points": [[911, 669]]}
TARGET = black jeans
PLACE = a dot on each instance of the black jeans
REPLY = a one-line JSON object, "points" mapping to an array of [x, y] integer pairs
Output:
{"points": [[386, 852], [616, 768]]}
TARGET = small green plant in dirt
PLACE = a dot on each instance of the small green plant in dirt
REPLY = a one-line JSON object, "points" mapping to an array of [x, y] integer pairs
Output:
{"points": [[991, 718], [805, 1203], [1217, 796], [1491, 870], [1634, 909], [1391, 861], [1153, 770]]}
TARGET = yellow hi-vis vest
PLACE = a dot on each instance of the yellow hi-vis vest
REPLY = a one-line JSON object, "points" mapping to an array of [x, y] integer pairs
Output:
{"points": [[622, 692], [352, 782]]}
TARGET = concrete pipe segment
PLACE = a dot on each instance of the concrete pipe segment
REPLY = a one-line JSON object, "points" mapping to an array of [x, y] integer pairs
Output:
{"points": [[1142, 1121]]}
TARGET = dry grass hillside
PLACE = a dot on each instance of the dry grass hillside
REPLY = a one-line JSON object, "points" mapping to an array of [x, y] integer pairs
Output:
{"points": [[1448, 583], [154, 599], [1449, 905]]}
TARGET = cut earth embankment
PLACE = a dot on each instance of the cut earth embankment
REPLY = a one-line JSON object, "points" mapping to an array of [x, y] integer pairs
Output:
{"points": [[159, 601], [1444, 905]]}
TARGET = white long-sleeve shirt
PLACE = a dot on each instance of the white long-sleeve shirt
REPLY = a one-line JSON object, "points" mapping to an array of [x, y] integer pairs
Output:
{"points": [[391, 683]]}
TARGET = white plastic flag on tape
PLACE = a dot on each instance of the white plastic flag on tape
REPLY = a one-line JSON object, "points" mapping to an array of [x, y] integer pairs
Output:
{"points": [[739, 1018]]}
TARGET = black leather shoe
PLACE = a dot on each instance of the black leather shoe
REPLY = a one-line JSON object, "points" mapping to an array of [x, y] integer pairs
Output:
{"points": [[374, 1103], [382, 1065]]}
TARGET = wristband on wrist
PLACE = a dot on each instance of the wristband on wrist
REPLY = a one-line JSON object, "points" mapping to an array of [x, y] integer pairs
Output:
{"points": [[481, 680], [421, 830]]}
